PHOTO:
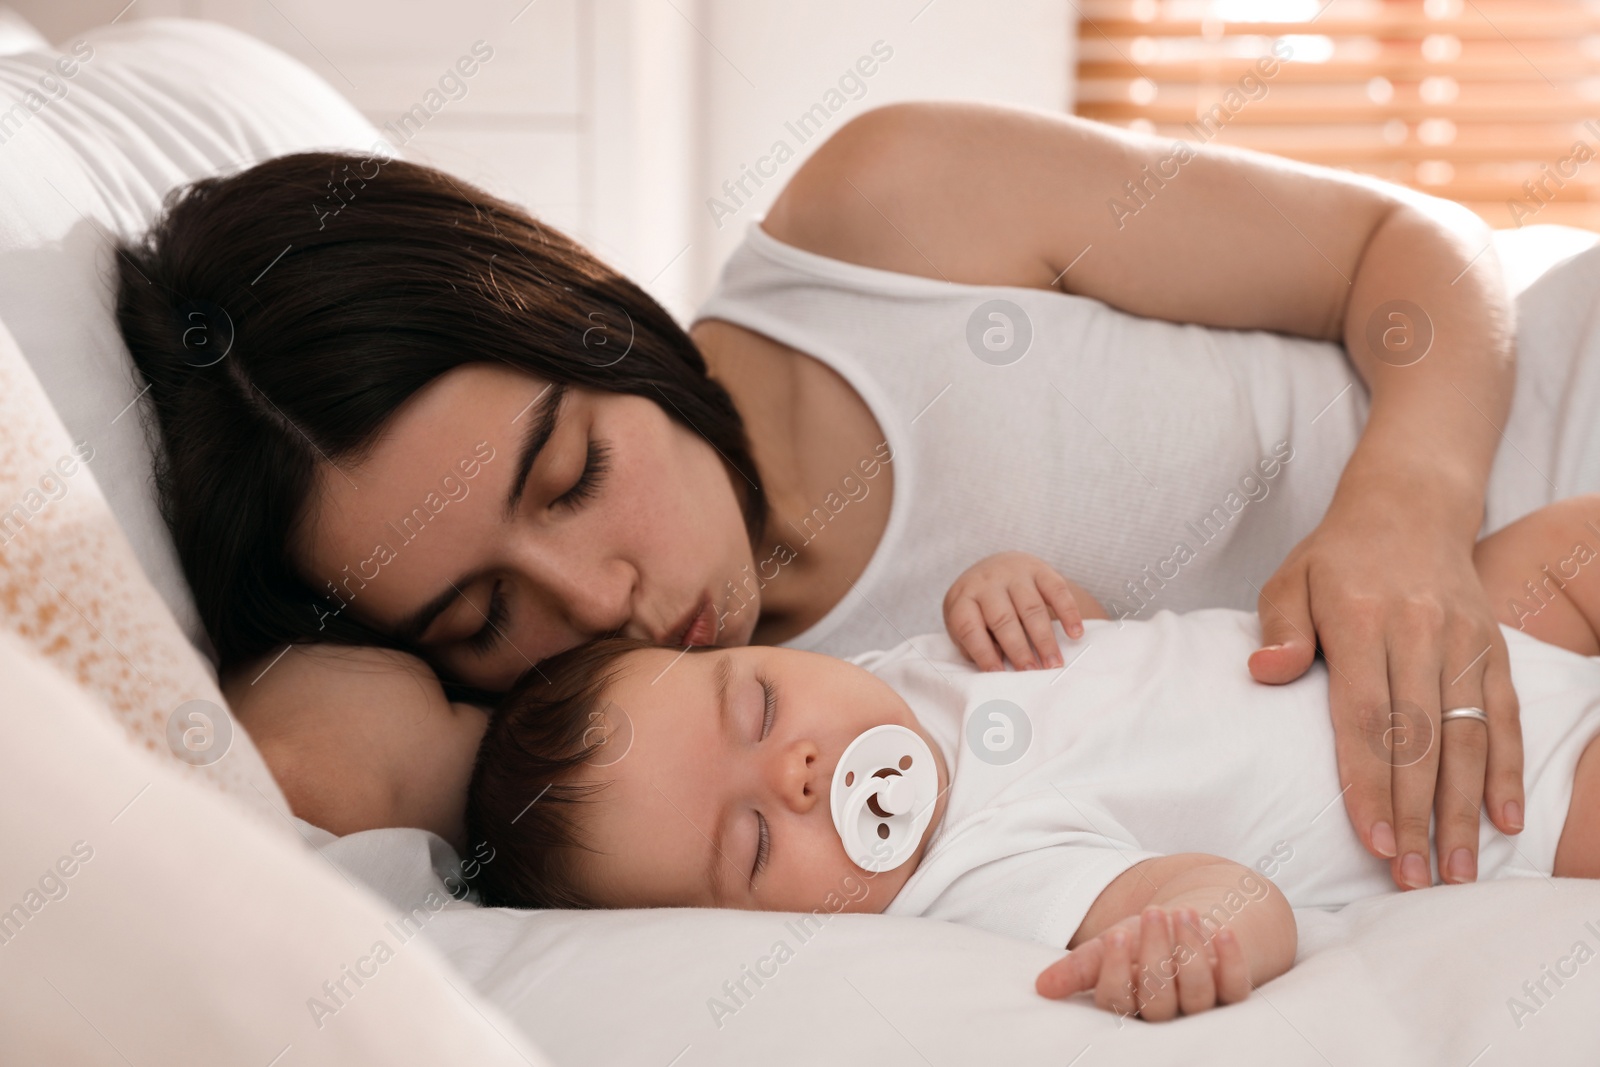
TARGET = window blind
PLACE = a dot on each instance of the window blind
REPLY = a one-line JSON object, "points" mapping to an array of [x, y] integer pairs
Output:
{"points": [[1492, 103]]}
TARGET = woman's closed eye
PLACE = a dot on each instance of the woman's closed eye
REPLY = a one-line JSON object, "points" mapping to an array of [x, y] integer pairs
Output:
{"points": [[596, 466], [494, 621], [597, 463]]}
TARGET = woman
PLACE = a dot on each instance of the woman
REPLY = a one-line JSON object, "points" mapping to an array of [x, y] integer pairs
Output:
{"points": [[441, 426]]}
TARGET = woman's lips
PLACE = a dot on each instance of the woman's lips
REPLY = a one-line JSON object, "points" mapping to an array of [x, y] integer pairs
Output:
{"points": [[702, 629]]}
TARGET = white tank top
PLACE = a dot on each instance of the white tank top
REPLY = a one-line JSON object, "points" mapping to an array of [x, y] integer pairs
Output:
{"points": [[1161, 465]]}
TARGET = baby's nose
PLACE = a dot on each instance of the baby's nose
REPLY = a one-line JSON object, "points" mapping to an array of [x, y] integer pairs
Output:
{"points": [[795, 777]]}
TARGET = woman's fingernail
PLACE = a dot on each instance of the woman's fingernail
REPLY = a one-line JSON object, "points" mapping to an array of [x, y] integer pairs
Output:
{"points": [[1383, 840], [1460, 866], [1414, 870], [1269, 648], [1055, 661], [1513, 812]]}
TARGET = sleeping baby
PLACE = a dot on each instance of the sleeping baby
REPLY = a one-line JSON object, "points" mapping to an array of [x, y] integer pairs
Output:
{"points": [[1145, 804]]}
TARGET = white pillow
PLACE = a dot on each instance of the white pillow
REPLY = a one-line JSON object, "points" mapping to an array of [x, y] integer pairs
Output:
{"points": [[17, 33], [144, 920], [1528, 252], [115, 121]]}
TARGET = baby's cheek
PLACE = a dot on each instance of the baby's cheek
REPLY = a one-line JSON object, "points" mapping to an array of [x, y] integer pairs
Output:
{"points": [[858, 889], [824, 881]]}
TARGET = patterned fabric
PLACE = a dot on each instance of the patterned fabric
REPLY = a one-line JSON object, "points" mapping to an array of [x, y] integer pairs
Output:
{"points": [[71, 588]]}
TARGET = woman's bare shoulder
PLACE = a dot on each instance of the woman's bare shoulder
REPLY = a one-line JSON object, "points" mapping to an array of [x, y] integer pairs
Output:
{"points": [[281, 693], [861, 197]]}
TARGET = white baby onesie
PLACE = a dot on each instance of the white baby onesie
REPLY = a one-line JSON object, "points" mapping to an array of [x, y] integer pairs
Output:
{"points": [[1153, 740]]}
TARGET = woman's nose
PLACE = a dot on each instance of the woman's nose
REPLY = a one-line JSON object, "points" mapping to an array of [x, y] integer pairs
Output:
{"points": [[602, 604], [794, 776], [595, 597]]}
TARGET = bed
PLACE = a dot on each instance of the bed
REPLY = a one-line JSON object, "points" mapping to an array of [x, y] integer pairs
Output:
{"points": [[219, 916]]}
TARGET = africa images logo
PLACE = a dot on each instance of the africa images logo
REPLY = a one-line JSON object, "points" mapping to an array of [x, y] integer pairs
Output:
{"points": [[999, 732]]}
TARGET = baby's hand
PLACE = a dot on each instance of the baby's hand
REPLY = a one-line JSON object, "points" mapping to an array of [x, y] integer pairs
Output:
{"points": [[1155, 965], [1011, 596]]}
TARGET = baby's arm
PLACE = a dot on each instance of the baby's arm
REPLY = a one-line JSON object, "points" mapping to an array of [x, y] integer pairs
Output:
{"points": [[1011, 597], [1552, 548], [361, 738], [1177, 935]]}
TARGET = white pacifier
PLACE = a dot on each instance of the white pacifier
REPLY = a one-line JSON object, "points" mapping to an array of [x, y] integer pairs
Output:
{"points": [[883, 796]]}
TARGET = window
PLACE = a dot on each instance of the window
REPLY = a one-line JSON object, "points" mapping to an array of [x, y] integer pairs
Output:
{"points": [[1492, 103]]}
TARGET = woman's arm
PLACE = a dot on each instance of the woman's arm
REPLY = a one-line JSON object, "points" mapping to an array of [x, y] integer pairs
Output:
{"points": [[1177, 934], [1224, 237]]}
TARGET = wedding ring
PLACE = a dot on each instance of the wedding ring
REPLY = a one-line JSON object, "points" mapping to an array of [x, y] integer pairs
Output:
{"points": [[1465, 713]]}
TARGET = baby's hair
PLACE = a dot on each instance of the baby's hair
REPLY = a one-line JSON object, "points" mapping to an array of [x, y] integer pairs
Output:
{"points": [[520, 801]]}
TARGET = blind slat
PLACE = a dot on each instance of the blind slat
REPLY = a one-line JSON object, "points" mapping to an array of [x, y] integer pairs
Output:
{"points": [[1315, 149], [1521, 24], [1278, 112], [1513, 68]]}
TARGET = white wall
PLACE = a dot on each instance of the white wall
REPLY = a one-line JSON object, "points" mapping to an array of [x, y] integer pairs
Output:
{"points": [[618, 120]]}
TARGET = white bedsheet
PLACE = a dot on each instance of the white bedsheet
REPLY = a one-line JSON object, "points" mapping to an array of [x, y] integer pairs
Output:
{"points": [[1418, 978]]}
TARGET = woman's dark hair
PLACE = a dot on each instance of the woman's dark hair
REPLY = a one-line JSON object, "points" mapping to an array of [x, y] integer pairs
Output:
{"points": [[521, 802], [280, 316]]}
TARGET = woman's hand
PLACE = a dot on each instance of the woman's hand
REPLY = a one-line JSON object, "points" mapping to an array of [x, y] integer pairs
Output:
{"points": [[1011, 597], [1154, 965], [1387, 587]]}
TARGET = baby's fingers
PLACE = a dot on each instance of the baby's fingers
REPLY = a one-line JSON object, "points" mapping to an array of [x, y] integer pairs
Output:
{"points": [[1059, 596], [1115, 989], [965, 622], [1158, 999], [1233, 974], [1036, 620], [1197, 991], [1073, 973], [1005, 621]]}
